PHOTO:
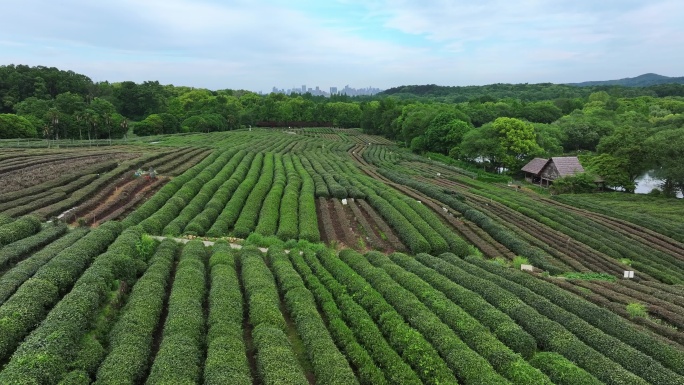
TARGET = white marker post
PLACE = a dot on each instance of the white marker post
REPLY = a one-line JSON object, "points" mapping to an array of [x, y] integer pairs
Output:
{"points": [[526, 267], [629, 274]]}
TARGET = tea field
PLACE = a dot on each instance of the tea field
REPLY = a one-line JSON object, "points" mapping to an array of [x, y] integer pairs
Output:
{"points": [[323, 256]]}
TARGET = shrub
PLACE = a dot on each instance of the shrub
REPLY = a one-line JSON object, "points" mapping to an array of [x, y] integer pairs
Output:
{"points": [[181, 352], [19, 229]]}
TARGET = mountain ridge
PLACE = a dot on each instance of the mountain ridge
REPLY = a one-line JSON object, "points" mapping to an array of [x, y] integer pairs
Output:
{"points": [[644, 80]]}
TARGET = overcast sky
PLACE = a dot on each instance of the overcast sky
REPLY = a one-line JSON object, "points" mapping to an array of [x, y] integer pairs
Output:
{"points": [[256, 45]]}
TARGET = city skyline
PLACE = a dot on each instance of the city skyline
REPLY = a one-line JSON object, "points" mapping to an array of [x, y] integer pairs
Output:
{"points": [[332, 90]]}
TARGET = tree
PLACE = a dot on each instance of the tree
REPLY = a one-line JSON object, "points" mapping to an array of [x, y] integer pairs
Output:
{"points": [[666, 149], [442, 137], [627, 144], [481, 145], [612, 170], [14, 126], [583, 129], [518, 141]]}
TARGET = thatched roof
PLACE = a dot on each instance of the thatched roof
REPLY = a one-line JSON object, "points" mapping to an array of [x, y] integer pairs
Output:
{"points": [[567, 165], [535, 165]]}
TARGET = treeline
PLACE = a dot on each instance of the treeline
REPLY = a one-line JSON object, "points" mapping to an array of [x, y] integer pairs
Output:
{"points": [[635, 129]]}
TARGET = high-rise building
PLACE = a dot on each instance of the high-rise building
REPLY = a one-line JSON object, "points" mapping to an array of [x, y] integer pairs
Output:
{"points": [[303, 88], [333, 90]]}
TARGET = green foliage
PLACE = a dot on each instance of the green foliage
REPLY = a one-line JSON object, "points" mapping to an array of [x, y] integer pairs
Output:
{"points": [[518, 141], [130, 340], [181, 352], [19, 229], [590, 276], [13, 126], [518, 261], [226, 361], [329, 365], [636, 309], [431, 312], [561, 370], [13, 252], [58, 344], [408, 341]]}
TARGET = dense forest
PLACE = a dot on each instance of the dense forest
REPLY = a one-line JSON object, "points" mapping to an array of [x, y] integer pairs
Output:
{"points": [[619, 131]]}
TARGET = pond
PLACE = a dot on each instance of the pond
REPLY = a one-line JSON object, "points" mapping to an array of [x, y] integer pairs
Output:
{"points": [[647, 182]]}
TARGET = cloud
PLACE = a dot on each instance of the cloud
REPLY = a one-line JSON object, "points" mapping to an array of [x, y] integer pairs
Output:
{"points": [[244, 44]]}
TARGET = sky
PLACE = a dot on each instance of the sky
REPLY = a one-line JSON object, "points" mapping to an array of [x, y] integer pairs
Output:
{"points": [[255, 45]]}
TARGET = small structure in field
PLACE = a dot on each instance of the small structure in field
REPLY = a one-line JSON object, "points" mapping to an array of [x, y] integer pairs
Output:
{"points": [[545, 171]]}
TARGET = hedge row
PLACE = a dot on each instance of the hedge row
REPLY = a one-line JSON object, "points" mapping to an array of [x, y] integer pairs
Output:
{"points": [[590, 322], [276, 361], [467, 365], [656, 263], [550, 335], [367, 331], [269, 213], [220, 172], [319, 186], [230, 213], [98, 184], [5, 219], [562, 371], [495, 230], [181, 353], [409, 235], [56, 184], [162, 196], [329, 365], [203, 221], [35, 297], [407, 341], [342, 176], [416, 296], [156, 223], [16, 251], [33, 203], [336, 190], [367, 370], [130, 341], [260, 290], [226, 361], [410, 211], [15, 277], [253, 205], [672, 229], [498, 322], [19, 229], [288, 223], [49, 352], [308, 220]]}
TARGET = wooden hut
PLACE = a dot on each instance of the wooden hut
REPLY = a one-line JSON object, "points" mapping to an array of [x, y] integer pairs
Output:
{"points": [[545, 171]]}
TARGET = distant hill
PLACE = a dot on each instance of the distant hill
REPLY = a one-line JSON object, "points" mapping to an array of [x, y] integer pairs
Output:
{"points": [[644, 80]]}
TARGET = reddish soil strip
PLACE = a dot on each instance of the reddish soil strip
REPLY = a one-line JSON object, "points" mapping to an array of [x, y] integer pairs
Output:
{"points": [[371, 236], [341, 217], [325, 225], [122, 207], [382, 226]]}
